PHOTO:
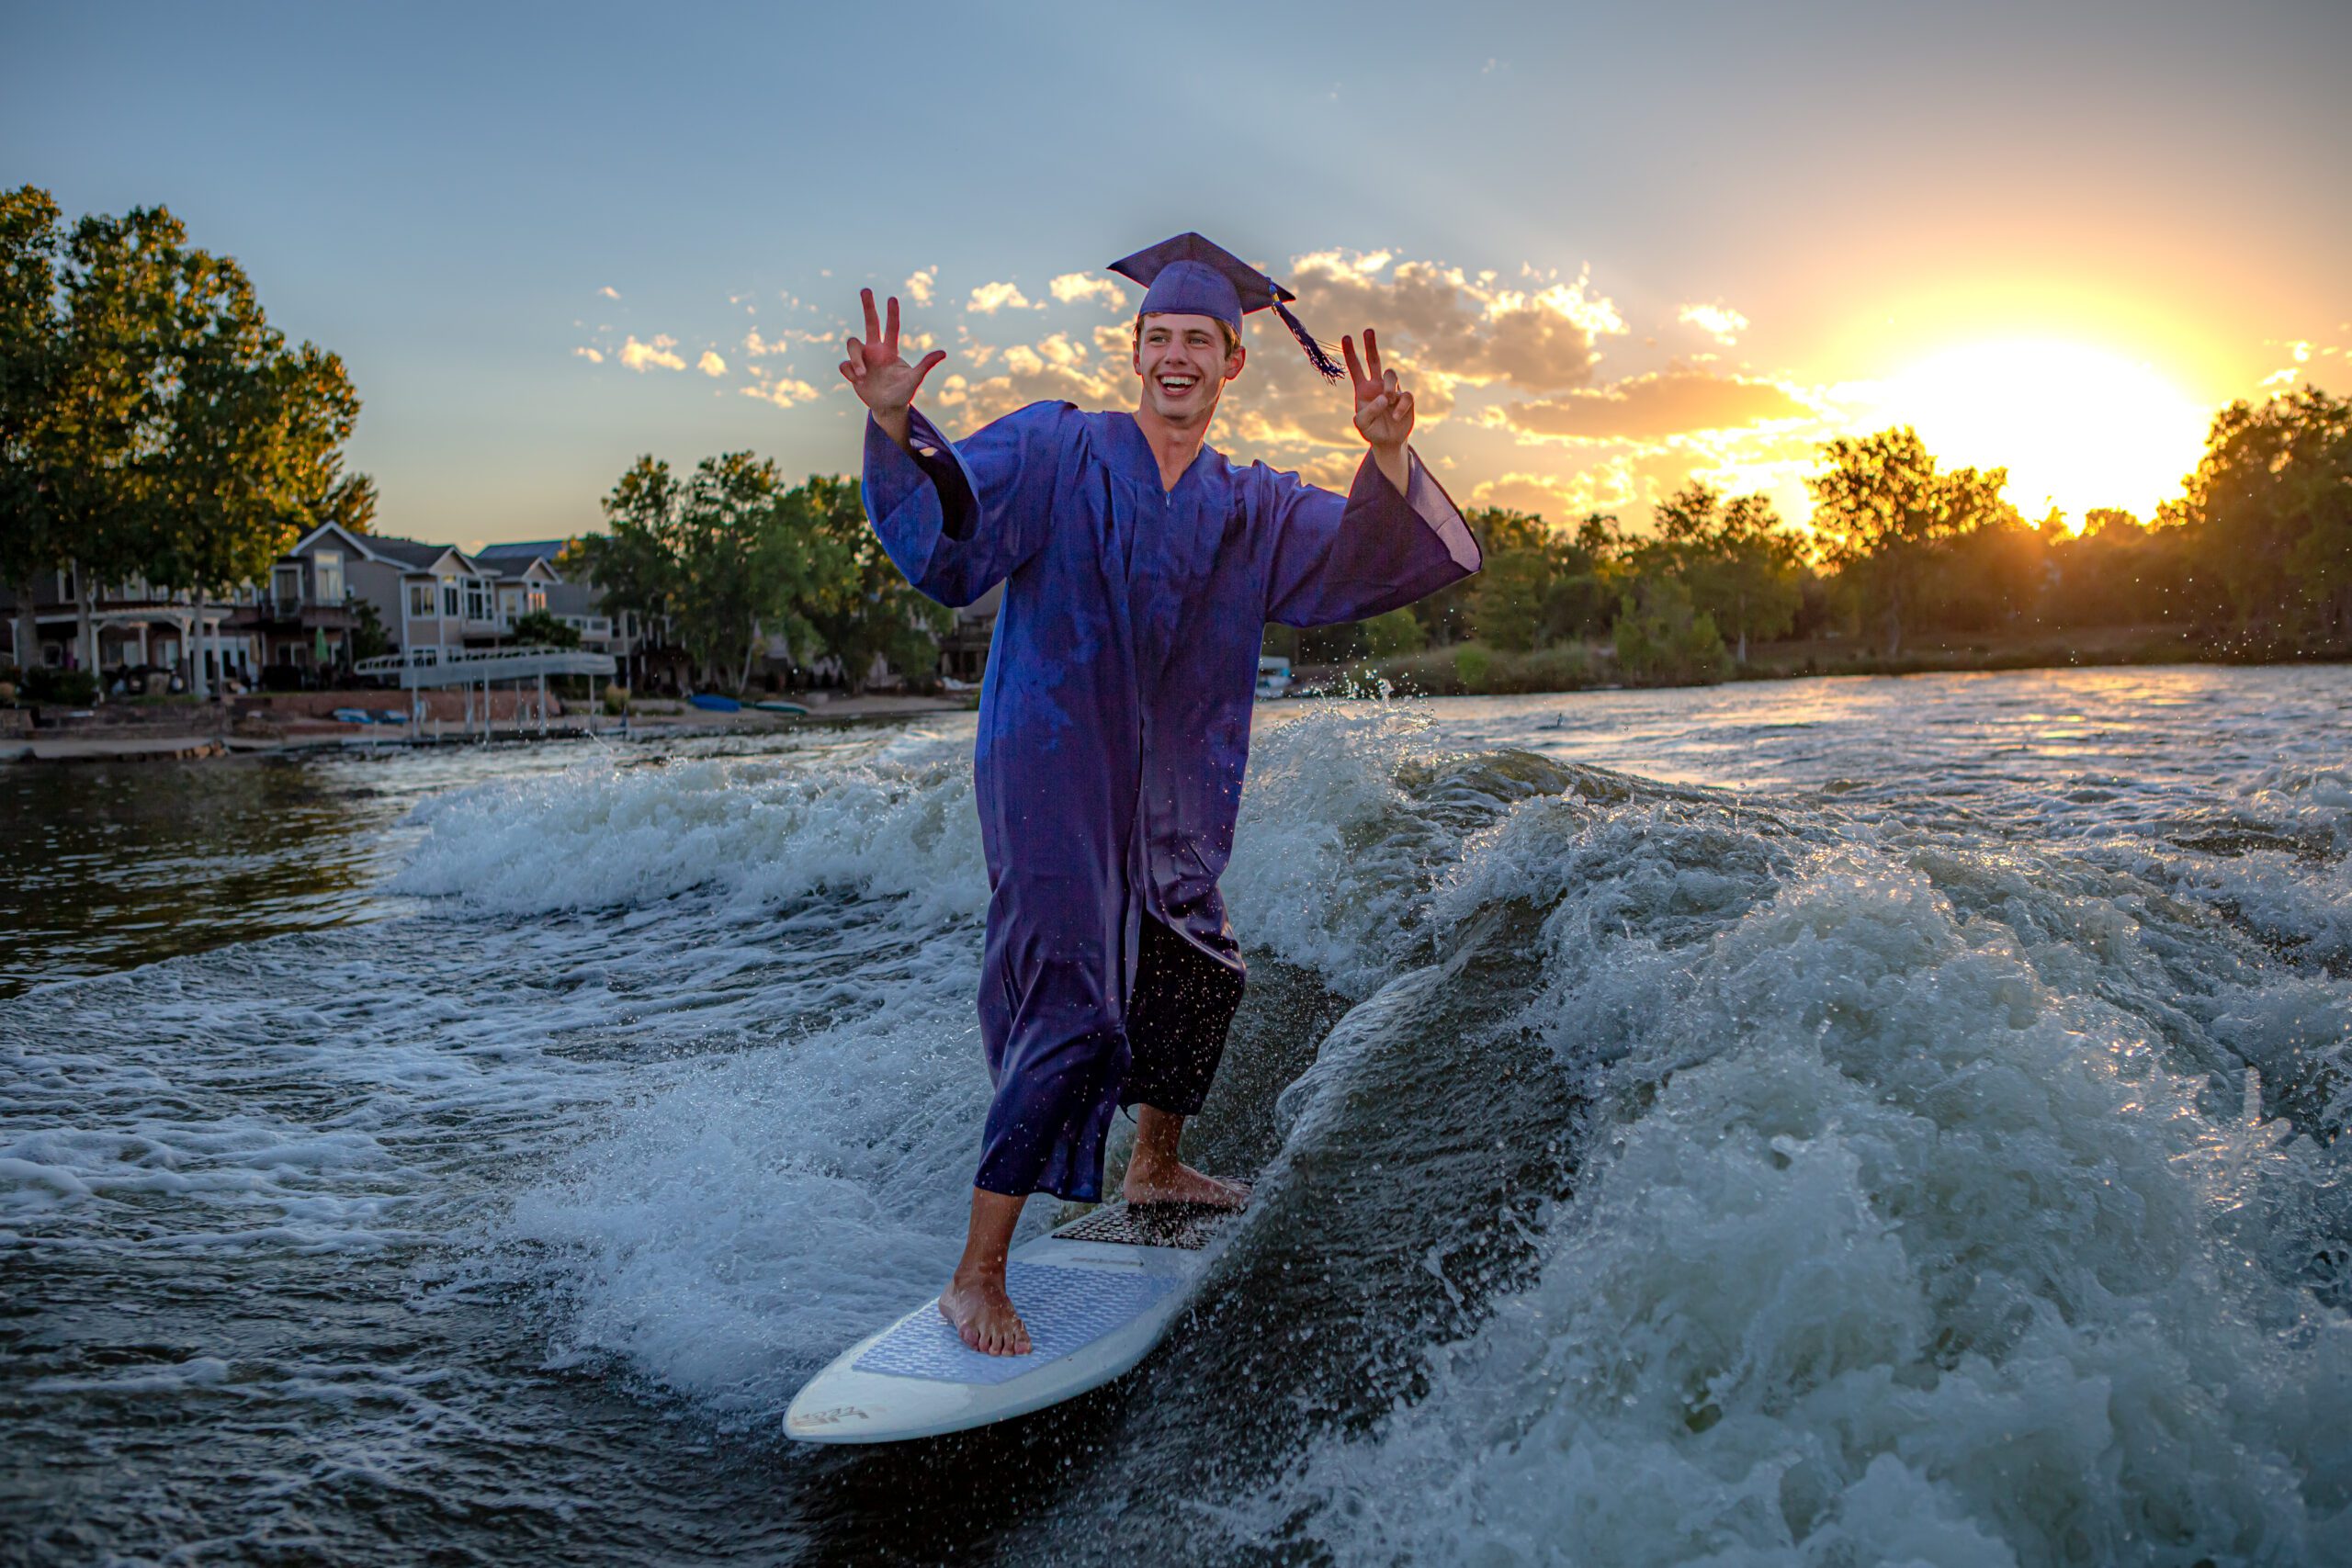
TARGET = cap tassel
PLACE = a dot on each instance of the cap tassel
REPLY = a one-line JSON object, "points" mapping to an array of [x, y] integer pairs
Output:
{"points": [[1317, 354]]}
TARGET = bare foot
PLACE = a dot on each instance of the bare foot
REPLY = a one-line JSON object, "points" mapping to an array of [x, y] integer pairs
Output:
{"points": [[1181, 1184], [982, 1314]]}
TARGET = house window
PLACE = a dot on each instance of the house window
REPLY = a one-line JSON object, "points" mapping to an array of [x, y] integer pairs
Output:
{"points": [[420, 601], [327, 566], [477, 600], [450, 597], [286, 586]]}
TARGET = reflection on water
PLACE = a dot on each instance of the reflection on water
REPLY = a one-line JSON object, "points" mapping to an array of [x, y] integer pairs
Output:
{"points": [[110, 865]]}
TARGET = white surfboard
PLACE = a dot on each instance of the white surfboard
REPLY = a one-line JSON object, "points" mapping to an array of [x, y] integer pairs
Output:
{"points": [[1096, 1295]]}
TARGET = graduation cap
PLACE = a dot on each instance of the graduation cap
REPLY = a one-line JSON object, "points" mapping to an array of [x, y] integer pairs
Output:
{"points": [[1192, 276]]}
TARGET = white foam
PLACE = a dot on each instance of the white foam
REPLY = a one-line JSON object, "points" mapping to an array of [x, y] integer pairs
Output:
{"points": [[1890, 1254]]}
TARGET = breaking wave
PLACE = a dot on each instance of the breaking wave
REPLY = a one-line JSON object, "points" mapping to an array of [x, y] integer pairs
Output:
{"points": [[1930, 1162]]}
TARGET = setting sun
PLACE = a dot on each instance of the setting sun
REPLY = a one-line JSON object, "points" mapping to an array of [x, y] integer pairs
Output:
{"points": [[2076, 426]]}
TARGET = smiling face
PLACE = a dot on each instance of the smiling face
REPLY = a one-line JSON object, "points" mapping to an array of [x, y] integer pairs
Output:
{"points": [[1185, 362]]}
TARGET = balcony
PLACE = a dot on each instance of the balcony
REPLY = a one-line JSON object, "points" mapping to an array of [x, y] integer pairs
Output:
{"points": [[276, 614]]}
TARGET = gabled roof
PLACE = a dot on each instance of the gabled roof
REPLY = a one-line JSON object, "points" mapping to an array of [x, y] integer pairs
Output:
{"points": [[359, 544], [528, 559], [545, 549], [411, 553]]}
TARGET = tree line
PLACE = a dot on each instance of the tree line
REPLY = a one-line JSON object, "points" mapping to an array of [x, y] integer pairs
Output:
{"points": [[731, 556], [2252, 558], [153, 425]]}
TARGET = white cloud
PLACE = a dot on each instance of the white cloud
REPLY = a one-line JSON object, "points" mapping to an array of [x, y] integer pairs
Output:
{"points": [[609, 292], [1718, 321], [990, 297], [711, 364], [1072, 286], [784, 392], [641, 356], [590, 355], [920, 285]]}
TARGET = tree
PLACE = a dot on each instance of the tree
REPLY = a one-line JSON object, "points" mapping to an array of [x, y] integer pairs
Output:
{"points": [[151, 423], [1594, 573], [1880, 510], [1507, 596], [540, 629], [745, 566], [31, 243], [634, 563], [1394, 634], [1662, 638], [1743, 568], [865, 608], [369, 639], [2272, 497]]}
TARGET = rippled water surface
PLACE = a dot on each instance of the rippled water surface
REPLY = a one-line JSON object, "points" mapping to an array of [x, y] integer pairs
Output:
{"points": [[1835, 1121]]}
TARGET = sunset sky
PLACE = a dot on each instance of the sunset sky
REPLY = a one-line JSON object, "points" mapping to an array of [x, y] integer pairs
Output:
{"points": [[1612, 250]]}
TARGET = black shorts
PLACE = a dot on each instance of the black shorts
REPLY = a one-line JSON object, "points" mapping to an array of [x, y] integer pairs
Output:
{"points": [[1178, 1016]]}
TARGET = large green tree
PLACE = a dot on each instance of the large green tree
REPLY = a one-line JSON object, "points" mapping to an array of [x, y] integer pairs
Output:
{"points": [[724, 556], [634, 562], [1743, 568], [2272, 497], [1882, 507], [32, 243], [866, 609], [152, 423]]}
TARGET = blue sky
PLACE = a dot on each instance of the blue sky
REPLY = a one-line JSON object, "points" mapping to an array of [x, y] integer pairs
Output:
{"points": [[1619, 249]]}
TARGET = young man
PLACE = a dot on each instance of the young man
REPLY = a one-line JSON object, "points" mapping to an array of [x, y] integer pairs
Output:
{"points": [[1141, 569]]}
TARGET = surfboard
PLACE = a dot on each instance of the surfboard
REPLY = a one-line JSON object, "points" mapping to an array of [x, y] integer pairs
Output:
{"points": [[1096, 1293]]}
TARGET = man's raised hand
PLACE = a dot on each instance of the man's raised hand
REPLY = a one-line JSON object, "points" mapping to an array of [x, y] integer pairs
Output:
{"points": [[880, 376], [1384, 409]]}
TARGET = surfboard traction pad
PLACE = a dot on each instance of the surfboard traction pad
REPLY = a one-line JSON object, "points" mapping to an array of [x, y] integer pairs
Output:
{"points": [[1187, 1226], [1065, 1309]]}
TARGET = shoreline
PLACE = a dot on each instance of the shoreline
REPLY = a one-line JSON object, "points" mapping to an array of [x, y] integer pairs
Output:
{"points": [[1471, 669], [104, 742], [1561, 670]]}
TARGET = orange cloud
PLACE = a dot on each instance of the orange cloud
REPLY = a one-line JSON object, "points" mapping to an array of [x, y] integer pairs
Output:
{"points": [[1662, 403]]}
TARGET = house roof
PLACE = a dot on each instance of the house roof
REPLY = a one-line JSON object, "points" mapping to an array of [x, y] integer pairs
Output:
{"points": [[521, 559], [408, 552]]}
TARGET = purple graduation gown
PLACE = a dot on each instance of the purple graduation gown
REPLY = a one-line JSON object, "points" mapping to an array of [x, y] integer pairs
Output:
{"points": [[1114, 718]]}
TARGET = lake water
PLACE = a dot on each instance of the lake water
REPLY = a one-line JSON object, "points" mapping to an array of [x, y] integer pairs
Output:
{"points": [[1832, 1121]]}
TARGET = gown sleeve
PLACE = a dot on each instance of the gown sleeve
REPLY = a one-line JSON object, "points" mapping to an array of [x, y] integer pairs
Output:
{"points": [[1345, 559], [959, 519]]}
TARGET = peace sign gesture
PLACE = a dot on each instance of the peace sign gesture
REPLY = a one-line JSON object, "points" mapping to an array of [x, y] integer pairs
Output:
{"points": [[1384, 409], [882, 380]]}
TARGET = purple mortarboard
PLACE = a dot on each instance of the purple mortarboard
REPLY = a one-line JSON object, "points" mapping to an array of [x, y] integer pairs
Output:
{"points": [[1191, 276]]}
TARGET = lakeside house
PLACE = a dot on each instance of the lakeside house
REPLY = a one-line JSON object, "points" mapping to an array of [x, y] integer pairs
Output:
{"points": [[299, 627], [80, 625]]}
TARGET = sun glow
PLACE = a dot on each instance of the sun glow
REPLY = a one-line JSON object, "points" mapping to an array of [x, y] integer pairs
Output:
{"points": [[2076, 426]]}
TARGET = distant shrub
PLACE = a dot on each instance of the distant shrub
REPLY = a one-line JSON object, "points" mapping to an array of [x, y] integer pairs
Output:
{"points": [[44, 684], [616, 701], [1662, 642], [1398, 632], [1471, 666]]}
